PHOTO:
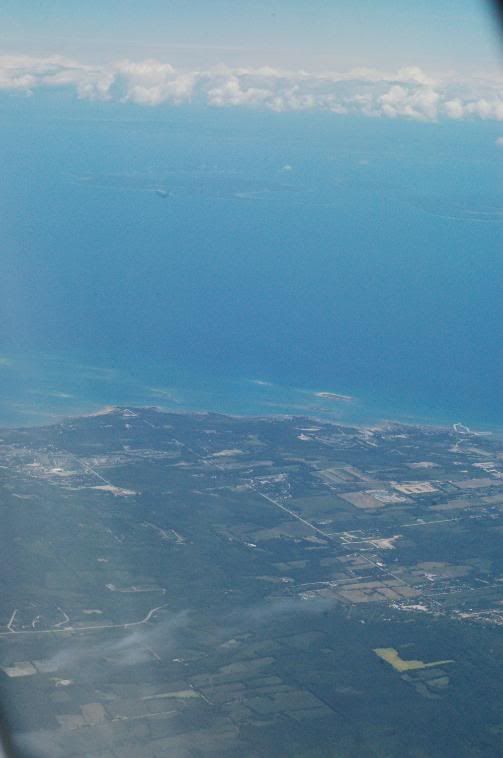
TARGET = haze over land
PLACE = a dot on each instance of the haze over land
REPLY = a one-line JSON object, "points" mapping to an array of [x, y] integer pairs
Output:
{"points": [[195, 584]]}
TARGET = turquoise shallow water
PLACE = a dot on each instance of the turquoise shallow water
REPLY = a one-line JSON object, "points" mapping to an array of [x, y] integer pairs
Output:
{"points": [[42, 389], [176, 256]]}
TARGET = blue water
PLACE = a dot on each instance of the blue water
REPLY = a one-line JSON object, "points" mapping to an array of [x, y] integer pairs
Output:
{"points": [[167, 256]]}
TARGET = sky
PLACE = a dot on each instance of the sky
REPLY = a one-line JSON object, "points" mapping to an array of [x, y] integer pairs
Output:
{"points": [[314, 34]]}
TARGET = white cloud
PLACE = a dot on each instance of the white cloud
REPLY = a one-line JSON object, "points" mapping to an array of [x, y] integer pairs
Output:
{"points": [[23, 73], [152, 83], [499, 142], [230, 92], [407, 93], [486, 109], [454, 108], [416, 75], [418, 103]]}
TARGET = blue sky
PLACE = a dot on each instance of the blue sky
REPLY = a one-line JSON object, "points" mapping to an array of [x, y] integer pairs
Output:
{"points": [[434, 34]]}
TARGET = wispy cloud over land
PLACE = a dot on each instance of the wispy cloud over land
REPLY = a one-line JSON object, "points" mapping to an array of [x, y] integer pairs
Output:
{"points": [[130, 649], [406, 93]]}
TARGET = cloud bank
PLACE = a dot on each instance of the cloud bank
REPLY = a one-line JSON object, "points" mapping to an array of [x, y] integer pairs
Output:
{"points": [[407, 93]]}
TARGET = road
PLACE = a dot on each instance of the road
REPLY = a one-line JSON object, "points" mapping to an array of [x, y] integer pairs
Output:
{"points": [[92, 628]]}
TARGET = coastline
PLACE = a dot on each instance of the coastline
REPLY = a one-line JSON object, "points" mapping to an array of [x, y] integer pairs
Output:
{"points": [[370, 424], [38, 390]]}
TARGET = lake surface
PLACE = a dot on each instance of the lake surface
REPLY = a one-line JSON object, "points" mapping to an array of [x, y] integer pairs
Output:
{"points": [[240, 262]]}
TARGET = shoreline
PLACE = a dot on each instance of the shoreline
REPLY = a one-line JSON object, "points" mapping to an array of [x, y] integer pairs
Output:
{"points": [[37, 390], [371, 424]]}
